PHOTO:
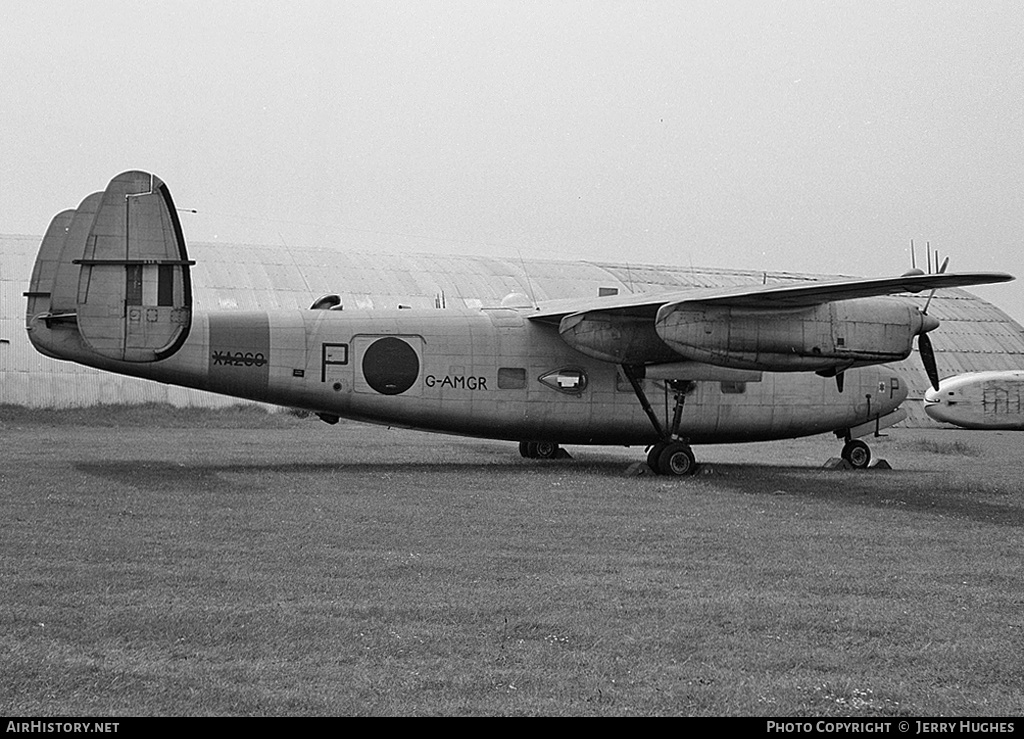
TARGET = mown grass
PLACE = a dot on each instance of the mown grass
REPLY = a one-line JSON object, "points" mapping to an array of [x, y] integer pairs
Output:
{"points": [[956, 447], [352, 570], [152, 414]]}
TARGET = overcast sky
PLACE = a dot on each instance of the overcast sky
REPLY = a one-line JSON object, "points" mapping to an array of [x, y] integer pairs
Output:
{"points": [[803, 136]]}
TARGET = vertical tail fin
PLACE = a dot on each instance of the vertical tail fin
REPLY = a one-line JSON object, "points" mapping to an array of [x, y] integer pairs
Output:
{"points": [[134, 298], [64, 290], [40, 286], [116, 271]]}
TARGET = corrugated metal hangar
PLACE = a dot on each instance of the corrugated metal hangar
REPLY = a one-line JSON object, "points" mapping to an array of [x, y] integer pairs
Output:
{"points": [[974, 336]]}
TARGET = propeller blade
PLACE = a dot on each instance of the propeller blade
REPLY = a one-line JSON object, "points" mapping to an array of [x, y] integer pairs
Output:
{"points": [[924, 347], [942, 269], [928, 302]]}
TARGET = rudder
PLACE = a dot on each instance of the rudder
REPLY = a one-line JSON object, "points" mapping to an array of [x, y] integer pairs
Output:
{"points": [[134, 297]]}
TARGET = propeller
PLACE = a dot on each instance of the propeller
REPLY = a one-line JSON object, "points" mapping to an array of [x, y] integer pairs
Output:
{"points": [[924, 348], [924, 344]]}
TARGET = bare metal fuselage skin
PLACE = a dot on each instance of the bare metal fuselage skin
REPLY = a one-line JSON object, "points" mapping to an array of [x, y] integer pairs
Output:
{"points": [[112, 289], [486, 373], [980, 400]]}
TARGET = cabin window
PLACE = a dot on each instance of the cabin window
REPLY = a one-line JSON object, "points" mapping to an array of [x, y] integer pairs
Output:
{"points": [[511, 378], [734, 388], [571, 381]]}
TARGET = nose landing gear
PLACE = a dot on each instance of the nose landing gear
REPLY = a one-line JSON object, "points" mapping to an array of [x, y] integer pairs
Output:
{"points": [[857, 453]]}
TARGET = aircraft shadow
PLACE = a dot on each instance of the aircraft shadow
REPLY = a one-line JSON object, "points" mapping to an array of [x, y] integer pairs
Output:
{"points": [[927, 493]]}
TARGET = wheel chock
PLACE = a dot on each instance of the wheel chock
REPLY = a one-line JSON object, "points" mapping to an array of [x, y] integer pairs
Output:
{"points": [[639, 469]]}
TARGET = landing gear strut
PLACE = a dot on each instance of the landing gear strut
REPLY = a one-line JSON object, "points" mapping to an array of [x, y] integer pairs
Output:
{"points": [[672, 455]]}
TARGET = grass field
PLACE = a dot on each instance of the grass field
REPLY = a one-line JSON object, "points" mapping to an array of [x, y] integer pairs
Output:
{"points": [[161, 562]]}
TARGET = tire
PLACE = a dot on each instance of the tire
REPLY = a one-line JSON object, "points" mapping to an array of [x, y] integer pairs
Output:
{"points": [[857, 453], [545, 449], [653, 454], [525, 450], [677, 460]]}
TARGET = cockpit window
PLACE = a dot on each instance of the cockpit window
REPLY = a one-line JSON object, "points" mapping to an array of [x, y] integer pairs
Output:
{"points": [[327, 302]]}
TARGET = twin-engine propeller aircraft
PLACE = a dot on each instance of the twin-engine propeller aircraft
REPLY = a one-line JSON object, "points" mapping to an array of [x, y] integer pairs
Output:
{"points": [[112, 289]]}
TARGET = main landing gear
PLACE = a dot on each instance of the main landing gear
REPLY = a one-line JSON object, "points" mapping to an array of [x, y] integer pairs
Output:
{"points": [[672, 458], [539, 449], [672, 455]]}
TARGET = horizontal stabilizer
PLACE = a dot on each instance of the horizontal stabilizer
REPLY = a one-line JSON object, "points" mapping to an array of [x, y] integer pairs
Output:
{"points": [[134, 293]]}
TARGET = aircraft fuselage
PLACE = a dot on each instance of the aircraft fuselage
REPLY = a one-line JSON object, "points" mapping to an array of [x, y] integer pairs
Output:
{"points": [[979, 400], [487, 373]]}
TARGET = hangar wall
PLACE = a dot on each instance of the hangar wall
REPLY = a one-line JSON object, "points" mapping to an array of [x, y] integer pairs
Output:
{"points": [[28, 378], [974, 335]]}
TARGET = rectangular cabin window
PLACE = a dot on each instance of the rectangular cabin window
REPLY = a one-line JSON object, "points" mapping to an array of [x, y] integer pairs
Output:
{"points": [[133, 284], [165, 285], [734, 388], [511, 378]]}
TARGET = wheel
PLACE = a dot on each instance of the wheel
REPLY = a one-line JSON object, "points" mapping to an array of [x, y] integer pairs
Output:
{"points": [[676, 459], [857, 453], [527, 450], [545, 449], [653, 454]]}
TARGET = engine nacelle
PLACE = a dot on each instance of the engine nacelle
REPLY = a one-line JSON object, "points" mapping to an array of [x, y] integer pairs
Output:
{"points": [[615, 338], [830, 336]]}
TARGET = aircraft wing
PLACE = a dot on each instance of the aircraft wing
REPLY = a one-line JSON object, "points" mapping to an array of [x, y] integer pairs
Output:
{"points": [[789, 295]]}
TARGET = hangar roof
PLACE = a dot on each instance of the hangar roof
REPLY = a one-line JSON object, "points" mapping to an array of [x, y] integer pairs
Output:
{"points": [[974, 336]]}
